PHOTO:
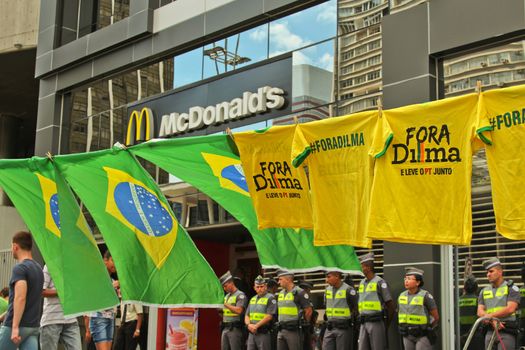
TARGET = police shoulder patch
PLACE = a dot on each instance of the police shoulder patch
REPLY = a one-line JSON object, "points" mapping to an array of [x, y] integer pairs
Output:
{"points": [[306, 296], [352, 292], [242, 296], [274, 301], [430, 296], [383, 285], [515, 288]]}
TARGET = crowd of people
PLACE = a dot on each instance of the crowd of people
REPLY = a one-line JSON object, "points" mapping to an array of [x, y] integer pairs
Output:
{"points": [[33, 315], [354, 318], [359, 318]]}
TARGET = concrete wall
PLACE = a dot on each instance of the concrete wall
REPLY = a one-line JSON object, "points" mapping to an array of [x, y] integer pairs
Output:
{"points": [[18, 24]]}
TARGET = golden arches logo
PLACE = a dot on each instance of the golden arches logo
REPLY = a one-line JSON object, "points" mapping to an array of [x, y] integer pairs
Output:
{"points": [[140, 126]]}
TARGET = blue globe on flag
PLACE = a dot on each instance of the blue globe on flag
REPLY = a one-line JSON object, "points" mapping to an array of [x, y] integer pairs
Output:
{"points": [[142, 209], [55, 213], [235, 174]]}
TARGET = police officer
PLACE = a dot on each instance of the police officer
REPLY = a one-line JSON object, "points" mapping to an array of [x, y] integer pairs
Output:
{"points": [[417, 312], [375, 307], [308, 332], [341, 304], [273, 288], [259, 316], [468, 314], [499, 300], [234, 306], [522, 308], [293, 307]]}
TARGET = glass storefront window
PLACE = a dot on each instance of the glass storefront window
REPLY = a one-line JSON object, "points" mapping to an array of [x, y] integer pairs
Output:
{"points": [[303, 28], [188, 67], [236, 51], [461, 73], [81, 17], [313, 78], [495, 67]]}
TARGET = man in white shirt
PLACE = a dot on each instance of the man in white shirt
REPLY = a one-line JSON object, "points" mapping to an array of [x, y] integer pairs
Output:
{"points": [[54, 328]]}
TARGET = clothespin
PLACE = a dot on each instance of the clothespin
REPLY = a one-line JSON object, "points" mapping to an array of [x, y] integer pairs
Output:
{"points": [[479, 85], [230, 134], [380, 106], [295, 120], [49, 156]]}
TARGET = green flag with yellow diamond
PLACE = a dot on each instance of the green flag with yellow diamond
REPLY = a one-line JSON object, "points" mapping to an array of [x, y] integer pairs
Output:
{"points": [[157, 262], [210, 163], [61, 232]]}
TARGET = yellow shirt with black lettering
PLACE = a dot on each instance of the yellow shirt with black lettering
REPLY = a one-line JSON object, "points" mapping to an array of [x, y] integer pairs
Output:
{"points": [[340, 171], [421, 191], [505, 109], [279, 192]]}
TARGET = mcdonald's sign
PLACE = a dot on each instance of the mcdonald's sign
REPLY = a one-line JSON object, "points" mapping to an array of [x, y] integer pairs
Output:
{"points": [[141, 126]]}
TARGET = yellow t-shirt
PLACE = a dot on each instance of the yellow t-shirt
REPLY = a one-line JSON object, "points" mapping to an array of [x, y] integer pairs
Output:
{"points": [[279, 192], [340, 171], [421, 192], [505, 109]]}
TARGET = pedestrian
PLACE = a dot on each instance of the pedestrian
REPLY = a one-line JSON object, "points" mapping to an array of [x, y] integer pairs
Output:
{"points": [[273, 288], [100, 325], [20, 328], [259, 316], [499, 300], [521, 341], [128, 334], [54, 327], [308, 331], [295, 311], [418, 314], [376, 307], [4, 303], [232, 314], [341, 305], [468, 314]]}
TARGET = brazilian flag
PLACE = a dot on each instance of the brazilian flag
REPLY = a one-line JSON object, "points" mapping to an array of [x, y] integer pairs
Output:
{"points": [[61, 232], [211, 164], [157, 262]]}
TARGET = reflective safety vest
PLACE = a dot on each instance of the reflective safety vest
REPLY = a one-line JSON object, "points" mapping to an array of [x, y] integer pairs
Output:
{"points": [[286, 307], [412, 311], [258, 307], [336, 302], [468, 311], [231, 299], [522, 304], [369, 301], [496, 299]]}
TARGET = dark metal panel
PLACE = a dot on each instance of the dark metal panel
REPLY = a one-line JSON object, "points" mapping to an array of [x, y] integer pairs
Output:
{"points": [[405, 44], [455, 23], [70, 52], [417, 90], [277, 73]]}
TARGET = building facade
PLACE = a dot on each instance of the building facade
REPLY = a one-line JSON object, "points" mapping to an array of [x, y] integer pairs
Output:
{"points": [[18, 105], [99, 60]]}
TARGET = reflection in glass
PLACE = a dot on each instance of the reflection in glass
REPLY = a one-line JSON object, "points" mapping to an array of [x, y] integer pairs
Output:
{"points": [[236, 51], [359, 78], [401, 5], [82, 17], [496, 67], [188, 67], [313, 80], [291, 32]]}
